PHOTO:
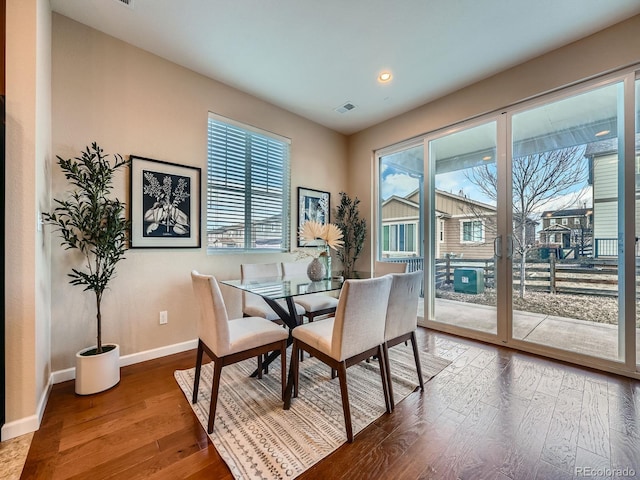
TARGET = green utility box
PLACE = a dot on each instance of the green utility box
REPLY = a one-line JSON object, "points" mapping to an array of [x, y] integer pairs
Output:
{"points": [[468, 280]]}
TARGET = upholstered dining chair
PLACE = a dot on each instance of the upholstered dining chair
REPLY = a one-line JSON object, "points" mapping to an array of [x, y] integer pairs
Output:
{"points": [[383, 268], [315, 304], [402, 319], [230, 341], [254, 305], [354, 334]]}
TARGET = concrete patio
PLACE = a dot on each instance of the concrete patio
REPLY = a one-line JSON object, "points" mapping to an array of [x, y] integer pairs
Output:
{"points": [[589, 338]]}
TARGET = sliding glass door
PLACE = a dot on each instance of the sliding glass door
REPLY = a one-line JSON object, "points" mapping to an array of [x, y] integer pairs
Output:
{"points": [[532, 220], [401, 182], [464, 227], [565, 211]]}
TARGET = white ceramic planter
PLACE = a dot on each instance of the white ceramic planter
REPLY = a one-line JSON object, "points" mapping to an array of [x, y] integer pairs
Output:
{"points": [[97, 373]]}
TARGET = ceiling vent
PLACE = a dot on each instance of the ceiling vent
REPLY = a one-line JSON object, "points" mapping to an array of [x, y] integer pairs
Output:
{"points": [[126, 3], [348, 106]]}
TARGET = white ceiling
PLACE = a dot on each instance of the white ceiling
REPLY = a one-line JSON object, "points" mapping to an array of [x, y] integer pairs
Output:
{"points": [[311, 56]]}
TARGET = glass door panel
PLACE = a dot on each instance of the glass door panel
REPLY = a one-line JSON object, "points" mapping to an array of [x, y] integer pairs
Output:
{"points": [[564, 184], [400, 200], [464, 227]]}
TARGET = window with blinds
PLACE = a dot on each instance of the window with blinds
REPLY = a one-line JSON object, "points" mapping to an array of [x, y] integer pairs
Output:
{"points": [[247, 188]]}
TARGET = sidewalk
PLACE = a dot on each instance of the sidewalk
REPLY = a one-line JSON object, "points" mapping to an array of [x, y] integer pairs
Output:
{"points": [[595, 339]]}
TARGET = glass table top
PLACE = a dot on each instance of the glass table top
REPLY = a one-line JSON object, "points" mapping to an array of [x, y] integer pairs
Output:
{"points": [[283, 287]]}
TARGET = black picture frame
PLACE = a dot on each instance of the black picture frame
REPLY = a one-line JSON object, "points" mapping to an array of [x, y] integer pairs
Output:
{"points": [[165, 204], [312, 205]]}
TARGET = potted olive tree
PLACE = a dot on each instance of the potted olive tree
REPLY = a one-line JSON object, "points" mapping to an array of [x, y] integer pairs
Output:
{"points": [[90, 221]]}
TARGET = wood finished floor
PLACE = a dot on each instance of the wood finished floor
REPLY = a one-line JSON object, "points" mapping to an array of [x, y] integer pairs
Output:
{"points": [[492, 414]]}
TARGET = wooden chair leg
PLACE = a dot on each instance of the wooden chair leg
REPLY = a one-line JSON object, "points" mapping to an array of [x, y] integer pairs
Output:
{"points": [[344, 392], [260, 366], [283, 367], [391, 403], [196, 379], [416, 356], [215, 386], [295, 366]]}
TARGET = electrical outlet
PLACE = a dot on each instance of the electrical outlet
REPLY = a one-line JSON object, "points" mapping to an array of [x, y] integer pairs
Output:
{"points": [[164, 317]]}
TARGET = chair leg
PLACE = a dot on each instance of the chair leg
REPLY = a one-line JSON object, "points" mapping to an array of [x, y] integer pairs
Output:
{"points": [[283, 367], [260, 366], [215, 386], [416, 356], [295, 366], [196, 379], [342, 375], [391, 403]]}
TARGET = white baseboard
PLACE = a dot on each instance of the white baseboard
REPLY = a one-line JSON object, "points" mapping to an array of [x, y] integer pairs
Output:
{"points": [[158, 352], [28, 424], [32, 423], [70, 373]]}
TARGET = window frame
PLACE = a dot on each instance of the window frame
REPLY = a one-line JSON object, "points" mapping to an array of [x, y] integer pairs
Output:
{"points": [[472, 221], [264, 152]]}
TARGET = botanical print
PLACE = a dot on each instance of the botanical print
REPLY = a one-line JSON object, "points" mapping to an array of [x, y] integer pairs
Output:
{"points": [[315, 208], [167, 210]]}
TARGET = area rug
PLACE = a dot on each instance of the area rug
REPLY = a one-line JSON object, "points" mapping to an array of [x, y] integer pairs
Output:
{"points": [[259, 440]]}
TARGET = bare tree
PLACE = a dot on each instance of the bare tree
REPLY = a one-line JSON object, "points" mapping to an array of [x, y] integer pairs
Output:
{"points": [[536, 180]]}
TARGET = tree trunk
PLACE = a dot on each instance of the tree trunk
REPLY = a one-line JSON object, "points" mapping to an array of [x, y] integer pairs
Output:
{"points": [[523, 258]]}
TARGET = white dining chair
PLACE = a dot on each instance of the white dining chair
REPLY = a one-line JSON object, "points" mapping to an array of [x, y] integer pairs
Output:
{"points": [[314, 304], [402, 319], [354, 334], [254, 305], [230, 341], [383, 268]]}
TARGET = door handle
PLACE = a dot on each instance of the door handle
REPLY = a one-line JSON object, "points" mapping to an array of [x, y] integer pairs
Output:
{"points": [[509, 246], [497, 246]]}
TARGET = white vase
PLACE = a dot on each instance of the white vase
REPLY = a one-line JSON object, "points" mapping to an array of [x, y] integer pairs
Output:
{"points": [[97, 373]]}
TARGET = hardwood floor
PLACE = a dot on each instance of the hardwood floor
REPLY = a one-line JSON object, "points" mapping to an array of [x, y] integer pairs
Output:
{"points": [[494, 413]]}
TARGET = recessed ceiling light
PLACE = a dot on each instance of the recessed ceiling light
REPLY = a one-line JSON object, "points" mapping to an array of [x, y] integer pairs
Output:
{"points": [[385, 77], [487, 157], [602, 133]]}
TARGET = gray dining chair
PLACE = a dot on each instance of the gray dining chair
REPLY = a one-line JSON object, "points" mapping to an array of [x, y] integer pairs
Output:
{"points": [[230, 341], [401, 319], [354, 334], [383, 268], [254, 305], [314, 304]]}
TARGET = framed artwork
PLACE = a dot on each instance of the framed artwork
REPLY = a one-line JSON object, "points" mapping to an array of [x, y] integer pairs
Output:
{"points": [[165, 204], [312, 205]]}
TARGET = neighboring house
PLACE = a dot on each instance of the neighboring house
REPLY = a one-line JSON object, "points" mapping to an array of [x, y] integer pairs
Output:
{"points": [[571, 228], [268, 234], [603, 175], [464, 227], [400, 226]]}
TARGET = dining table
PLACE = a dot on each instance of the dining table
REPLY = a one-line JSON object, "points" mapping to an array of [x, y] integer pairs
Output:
{"points": [[276, 289]]}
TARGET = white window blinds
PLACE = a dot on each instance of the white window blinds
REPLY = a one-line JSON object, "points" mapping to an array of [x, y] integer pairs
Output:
{"points": [[247, 188]]}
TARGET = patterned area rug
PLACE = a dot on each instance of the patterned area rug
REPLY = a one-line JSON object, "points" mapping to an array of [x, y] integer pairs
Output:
{"points": [[259, 440]]}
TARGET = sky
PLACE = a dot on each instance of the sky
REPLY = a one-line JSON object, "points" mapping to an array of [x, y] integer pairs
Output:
{"points": [[396, 182]]}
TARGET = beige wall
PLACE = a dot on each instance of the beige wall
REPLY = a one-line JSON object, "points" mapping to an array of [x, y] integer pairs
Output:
{"points": [[133, 102], [28, 144], [605, 51]]}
